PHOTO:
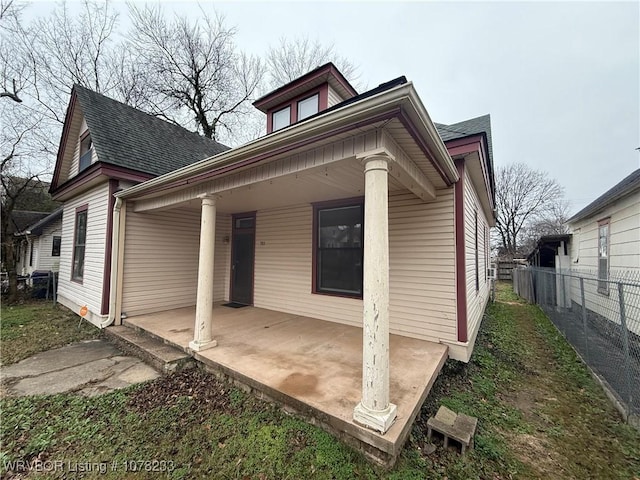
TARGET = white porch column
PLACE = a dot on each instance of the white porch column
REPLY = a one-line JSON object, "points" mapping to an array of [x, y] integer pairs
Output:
{"points": [[202, 337], [374, 410]]}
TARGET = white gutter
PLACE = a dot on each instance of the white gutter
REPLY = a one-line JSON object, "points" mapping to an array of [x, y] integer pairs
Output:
{"points": [[115, 251], [358, 111]]}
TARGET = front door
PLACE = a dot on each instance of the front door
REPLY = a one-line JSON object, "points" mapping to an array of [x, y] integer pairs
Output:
{"points": [[242, 258]]}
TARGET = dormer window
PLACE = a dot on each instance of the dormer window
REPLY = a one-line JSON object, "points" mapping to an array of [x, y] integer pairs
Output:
{"points": [[86, 151], [305, 97], [282, 118], [309, 106]]}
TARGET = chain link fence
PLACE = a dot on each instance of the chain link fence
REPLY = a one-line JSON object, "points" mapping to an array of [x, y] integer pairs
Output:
{"points": [[599, 318]]}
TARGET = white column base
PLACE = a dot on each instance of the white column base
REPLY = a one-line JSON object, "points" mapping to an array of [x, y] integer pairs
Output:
{"points": [[379, 420], [197, 346]]}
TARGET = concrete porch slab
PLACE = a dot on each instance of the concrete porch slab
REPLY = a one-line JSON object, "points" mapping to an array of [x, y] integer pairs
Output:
{"points": [[309, 365]]}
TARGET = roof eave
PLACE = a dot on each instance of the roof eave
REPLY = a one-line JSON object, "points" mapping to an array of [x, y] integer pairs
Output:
{"points": [[403, 97]]}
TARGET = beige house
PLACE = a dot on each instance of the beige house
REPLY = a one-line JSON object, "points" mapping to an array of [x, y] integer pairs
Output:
{"points": [[354, 234]]}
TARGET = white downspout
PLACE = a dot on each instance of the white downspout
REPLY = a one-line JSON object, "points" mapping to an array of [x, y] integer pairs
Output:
{"points": [[115, 253]]}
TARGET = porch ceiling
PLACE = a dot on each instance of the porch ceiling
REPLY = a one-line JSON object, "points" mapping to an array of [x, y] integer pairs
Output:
{"points": [[312, 365]]}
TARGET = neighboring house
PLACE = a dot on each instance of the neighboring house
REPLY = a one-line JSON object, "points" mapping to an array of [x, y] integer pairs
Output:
{"points": [[107, 146], [606, 233], [354, 209], [40, 243]]}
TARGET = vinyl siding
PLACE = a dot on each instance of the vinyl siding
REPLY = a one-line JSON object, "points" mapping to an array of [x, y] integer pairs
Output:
{"points": [[421, 250], [333, 98], [89, 292], [161, 260], [624, 259], [476, 298], [45, 260], [624, 236]]}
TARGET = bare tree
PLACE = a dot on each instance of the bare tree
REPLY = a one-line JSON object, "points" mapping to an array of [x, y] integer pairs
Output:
{"points": [[14, 68], [193, 72], [24, 150], [290, 59], [524, 197], [69, 48]]}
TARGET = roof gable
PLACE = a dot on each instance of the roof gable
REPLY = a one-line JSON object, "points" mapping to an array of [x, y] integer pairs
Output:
{"points": [[126, 137]]}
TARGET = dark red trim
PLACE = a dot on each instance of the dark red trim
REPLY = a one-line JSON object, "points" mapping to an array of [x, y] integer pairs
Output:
{"points": [[81, 208], [235, 230], [461, 274], [214, 172], [96, 170], [323, 99], [413, 131], [467, 145], [108, 249], [342, 202], [327, 69], [63, 140], [258, 158]]}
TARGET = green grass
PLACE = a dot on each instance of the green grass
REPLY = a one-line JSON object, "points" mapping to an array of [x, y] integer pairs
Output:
{"points": [[540, 413], [36, 327]]}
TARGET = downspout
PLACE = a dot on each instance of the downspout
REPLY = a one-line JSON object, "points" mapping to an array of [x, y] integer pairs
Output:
{"points": [[115, 253]]}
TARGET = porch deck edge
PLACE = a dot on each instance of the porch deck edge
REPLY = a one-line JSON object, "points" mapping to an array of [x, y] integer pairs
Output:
{"points": [[371, 444]]}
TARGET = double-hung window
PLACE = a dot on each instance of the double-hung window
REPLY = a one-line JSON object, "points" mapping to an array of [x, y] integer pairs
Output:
{"points": [[339, 249], [79, 244], [603, 256]]}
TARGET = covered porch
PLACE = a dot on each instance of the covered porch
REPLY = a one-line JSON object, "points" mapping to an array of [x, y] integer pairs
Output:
{"points": [[311, 366]]}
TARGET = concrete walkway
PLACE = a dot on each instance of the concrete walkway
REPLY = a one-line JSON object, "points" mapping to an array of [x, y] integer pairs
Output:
{"points": [[89, 368]]}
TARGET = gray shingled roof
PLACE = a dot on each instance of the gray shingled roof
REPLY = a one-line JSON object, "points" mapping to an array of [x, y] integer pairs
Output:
{"points": [[626, 186], [130, 138], [466, 128], [37, 227], [21, 219]]}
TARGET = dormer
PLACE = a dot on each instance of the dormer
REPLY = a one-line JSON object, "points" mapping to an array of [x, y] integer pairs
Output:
{"points": [[302, 98]]}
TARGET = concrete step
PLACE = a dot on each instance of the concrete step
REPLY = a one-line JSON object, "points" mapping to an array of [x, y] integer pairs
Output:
{"points": [[162, 357]]}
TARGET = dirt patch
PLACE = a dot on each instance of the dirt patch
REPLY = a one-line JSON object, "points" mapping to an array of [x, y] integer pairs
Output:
{"points": [[535, 451], [195, 385]]}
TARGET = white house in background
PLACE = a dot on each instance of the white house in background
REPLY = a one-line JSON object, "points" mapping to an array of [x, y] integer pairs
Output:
{"points": [[605, 248], [39, 248], [606, 233], [354, 209], [107, 146]]}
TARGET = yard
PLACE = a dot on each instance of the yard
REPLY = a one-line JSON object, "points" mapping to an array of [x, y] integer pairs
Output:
{"points": [[540, 413]]}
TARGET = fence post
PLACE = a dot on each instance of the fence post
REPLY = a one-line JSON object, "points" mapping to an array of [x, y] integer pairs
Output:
{"points": [[584, 319], [625, 344]]}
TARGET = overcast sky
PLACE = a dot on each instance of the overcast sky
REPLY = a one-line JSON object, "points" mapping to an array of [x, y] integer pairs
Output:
{"points": [[560, 80]]}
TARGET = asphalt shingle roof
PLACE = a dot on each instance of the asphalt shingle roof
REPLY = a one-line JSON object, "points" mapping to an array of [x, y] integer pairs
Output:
{"points": [[130, 138], [38, 227], [473, 126], [627, 185], [21, 219]]}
